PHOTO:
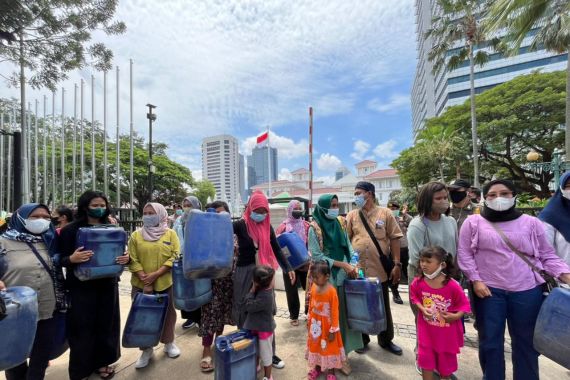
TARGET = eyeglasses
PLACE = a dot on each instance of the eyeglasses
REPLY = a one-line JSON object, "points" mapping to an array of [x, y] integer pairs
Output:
{"points": [[502, 194]]}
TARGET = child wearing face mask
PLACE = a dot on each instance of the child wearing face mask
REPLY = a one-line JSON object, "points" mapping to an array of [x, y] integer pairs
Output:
{"points": [[441, 302]]}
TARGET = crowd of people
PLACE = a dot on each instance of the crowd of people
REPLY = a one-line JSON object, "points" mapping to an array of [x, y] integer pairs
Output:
{"points": [[462, 257]]}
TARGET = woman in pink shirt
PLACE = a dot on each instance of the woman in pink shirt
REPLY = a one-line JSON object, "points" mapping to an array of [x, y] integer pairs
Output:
{"points": [[507, 290]]}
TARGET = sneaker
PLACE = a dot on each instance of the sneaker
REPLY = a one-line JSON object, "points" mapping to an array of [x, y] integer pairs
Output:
{"points": [[277, 362], [144, 358], [188, 324], [397, 299], [172, 350]]}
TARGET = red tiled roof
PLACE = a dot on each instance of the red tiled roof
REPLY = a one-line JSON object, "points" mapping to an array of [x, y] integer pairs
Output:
{"points": [[382, 173], [365, 163], [299, 171]]}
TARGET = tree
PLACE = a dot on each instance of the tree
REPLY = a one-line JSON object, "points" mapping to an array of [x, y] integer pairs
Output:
{"points": [[204, 190], [458, 21], [52, 38], [552, 18]]}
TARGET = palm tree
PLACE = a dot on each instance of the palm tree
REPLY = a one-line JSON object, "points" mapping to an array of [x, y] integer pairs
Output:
{"points": [[442, 143], [459, 22], [552, 18]]}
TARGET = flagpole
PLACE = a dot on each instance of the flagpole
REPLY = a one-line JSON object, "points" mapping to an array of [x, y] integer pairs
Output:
{"points": [[105, 172], [11, 127], [131, 141], [93, 170], [2, 191], [118, 148], [28, 169], [81, 143], [36, 175], [53, 142], [74, 148], [310, 158], [269, 162], [62, 145], [44, 153]]}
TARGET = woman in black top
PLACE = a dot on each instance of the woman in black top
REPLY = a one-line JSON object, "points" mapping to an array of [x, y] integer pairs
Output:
{"points": [[256, 244], [93, 322]]}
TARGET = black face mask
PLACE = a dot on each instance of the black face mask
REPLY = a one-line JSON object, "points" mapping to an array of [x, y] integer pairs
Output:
{"points": [[297, 214], [474, 200], [55, 221], [457, 196]]}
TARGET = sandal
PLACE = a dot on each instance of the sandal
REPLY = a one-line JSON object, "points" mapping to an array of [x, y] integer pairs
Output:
{"points": [[106, 373], [294, 322], [313, 374], [206, 364]]}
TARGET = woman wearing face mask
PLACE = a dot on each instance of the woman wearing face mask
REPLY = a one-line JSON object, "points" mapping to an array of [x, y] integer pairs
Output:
{"points": [[93, 322], [175, 215], [188, 204], [153, 248], [505, 286], [556, 219], [256, 244], [295, 223], [27, 249], [62, 217], [329, 241]]}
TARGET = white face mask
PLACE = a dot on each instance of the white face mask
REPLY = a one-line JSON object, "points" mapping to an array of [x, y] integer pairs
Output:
{"points": [[500, 203], [36, 226], [434, 274], [565, 193]]}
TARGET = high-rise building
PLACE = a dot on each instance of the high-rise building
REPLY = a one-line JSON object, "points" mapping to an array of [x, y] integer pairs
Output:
{"points": [[341, 172], [433, 93], [220, 165], [258, 167], [242, 190]]}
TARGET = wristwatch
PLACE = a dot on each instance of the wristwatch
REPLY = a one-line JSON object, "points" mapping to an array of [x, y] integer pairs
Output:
{"points": [[398, 264]]}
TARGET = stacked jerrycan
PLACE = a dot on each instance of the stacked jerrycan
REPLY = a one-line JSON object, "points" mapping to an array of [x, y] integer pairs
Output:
{"points": [[294, 249], [364, 303], [236, 356], [145, 321], [189, 294], [17, 325], [208, 245], [107, 243], [552, 329]]}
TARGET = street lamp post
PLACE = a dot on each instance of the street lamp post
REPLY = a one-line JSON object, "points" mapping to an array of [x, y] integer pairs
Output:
{"points": [[151, 117], [557, 166]]}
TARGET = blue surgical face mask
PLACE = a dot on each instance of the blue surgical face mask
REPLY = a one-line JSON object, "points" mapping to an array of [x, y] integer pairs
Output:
{"points": [[179, 212], [332, 213], [359, 200], [150, 220], [258, 218]]}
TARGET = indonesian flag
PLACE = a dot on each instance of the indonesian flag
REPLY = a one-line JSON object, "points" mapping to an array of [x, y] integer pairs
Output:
{"points": [[261, 138]]}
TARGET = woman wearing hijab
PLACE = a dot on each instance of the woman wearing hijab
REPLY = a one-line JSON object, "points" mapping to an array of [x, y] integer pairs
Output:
{"points": [[27, 250], [506, 287], [188, 204], [329, 241], [153, 248], [556, 219], [295, 223], [93, 322], [256, 244]]}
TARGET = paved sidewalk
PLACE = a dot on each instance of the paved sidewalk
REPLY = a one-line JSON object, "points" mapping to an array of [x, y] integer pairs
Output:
{"points": [[374, 364]]}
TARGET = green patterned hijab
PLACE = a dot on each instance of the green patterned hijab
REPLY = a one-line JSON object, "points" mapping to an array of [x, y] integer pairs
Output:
{"points": [[335, 242]]}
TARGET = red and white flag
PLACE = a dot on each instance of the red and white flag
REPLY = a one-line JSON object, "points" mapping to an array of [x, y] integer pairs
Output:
{"points": [[261, 138]]}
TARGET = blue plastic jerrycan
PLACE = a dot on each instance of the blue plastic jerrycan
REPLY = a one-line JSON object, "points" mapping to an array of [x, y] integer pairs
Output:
{"points": [[189, 294], [552, 329], [236, 356], [18, 327], [365, 305], [208, 245], [145, 321], [107, 243], [294, 249]]}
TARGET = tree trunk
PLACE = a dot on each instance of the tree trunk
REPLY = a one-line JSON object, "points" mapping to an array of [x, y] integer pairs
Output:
{"points": [[23, 198], [473, 118], [457, 169], [440, 164], [567, 144]]}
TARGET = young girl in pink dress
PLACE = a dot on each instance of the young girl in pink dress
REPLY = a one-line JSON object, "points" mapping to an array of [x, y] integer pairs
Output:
{"points": [[442, 303]]}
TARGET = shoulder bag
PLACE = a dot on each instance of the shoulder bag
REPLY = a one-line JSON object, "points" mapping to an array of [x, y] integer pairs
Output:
{"points": [[387, 262]]}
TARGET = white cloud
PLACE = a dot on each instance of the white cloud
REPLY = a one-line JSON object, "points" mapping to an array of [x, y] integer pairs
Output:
{"points": [[285, 174], [386, 149], [360, 149], [286, 147], [396, 102], [328, 162]]}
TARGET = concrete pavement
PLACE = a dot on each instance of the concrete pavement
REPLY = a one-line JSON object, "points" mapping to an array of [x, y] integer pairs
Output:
{"points": [[374, 364]]}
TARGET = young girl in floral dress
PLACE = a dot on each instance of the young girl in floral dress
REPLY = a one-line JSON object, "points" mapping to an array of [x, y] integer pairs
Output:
{"points": [[325, 350]]}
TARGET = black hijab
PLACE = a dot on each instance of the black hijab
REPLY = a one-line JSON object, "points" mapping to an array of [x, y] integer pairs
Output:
{"points": [[500, 216]]}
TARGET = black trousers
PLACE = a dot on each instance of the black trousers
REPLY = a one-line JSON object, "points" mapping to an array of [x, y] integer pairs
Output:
{"points": [[404, 258], [292, 293], [39, 357], [386, 336], [93, 327], [194, 315]]}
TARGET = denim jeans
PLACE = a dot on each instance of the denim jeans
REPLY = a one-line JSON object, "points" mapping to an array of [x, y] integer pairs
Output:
{"points": [[518, 310]]}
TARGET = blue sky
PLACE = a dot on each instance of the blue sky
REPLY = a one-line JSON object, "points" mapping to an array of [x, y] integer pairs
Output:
{"points": [[234, 67]]}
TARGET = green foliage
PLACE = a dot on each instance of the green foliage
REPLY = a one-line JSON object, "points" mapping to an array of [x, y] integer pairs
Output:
{"points": [[515, 117], [204, 190], [55, 37]]}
